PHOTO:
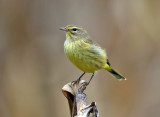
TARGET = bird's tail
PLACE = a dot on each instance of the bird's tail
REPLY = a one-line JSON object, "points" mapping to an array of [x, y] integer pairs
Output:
{"points": [[114, 72]]}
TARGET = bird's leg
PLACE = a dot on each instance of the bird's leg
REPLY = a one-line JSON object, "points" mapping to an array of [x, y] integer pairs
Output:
{"points": [[87, 83], [90, 79], [79, 78]]}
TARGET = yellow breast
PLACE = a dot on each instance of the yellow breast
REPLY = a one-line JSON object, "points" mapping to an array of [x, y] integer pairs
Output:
{"points": [[88, 58]]}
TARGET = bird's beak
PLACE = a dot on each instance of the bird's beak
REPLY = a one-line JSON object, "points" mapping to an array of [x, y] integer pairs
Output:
{"points": [[63, 28]]}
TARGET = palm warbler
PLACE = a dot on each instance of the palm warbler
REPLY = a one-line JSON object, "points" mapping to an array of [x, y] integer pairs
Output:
{"points": [[84, 53]]}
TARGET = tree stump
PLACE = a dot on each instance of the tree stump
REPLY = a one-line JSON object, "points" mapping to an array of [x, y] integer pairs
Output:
{"points": [[77, 100]]}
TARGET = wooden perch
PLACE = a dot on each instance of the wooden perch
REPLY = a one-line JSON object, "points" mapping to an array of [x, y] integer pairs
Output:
{"points": [[73, 91]]}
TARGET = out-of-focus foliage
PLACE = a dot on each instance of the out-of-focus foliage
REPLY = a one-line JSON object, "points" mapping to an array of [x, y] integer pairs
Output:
{"points": [[33, 67]]}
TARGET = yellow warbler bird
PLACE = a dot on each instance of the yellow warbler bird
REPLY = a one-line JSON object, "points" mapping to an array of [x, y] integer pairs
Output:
{"points": [[84, 53]]}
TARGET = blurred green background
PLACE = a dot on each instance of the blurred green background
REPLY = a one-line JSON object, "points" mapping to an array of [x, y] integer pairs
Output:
{"points": [[34, 68]]}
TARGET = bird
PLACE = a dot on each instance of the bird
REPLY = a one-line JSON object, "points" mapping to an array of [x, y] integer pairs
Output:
{"points": [[86, 54]]}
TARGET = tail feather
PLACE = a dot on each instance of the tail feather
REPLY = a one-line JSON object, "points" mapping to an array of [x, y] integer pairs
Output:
{"points": [[115, 73]]}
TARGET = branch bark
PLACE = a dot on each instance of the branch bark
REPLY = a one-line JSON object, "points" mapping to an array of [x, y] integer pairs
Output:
{"points": [[77, 100]]}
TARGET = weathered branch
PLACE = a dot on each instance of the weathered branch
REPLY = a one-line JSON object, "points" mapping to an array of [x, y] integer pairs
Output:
{"points": [[77, 100]]}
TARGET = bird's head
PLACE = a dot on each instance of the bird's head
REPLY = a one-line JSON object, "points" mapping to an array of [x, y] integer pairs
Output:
{"points": [[75, 32]]}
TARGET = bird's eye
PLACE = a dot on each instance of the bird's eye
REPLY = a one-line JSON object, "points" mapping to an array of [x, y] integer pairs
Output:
{"points": [[74, 29]]}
